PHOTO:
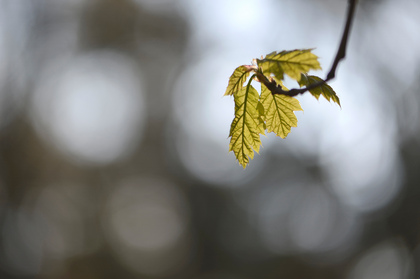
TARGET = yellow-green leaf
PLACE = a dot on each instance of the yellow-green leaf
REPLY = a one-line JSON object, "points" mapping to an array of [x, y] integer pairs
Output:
{"points": [[324, 90], [247, 125], [279, 115], [293, 63], [237, 79]]}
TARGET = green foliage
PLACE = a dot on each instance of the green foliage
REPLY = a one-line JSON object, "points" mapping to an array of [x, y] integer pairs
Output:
{"points": [[324, 89], [292, 63], [247, 125], [279, 116], [236, 81], [270, 111]]}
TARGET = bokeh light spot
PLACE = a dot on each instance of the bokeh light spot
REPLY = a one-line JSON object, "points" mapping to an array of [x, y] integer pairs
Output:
{"points": [[92, 108], [147, 223], [386, 261], [305, 219]]}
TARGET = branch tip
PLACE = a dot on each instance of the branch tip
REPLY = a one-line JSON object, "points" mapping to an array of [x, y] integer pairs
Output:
{"points": [[341, 54]]}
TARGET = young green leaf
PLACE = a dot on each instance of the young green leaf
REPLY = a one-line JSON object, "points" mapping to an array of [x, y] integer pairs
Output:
{"points": [[247, 125], [324, 89], [237, 79], [292, 63], [273, 109], [279, 115]]}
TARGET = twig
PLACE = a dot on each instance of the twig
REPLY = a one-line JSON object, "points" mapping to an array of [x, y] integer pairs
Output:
{"points": [[341, 54]]}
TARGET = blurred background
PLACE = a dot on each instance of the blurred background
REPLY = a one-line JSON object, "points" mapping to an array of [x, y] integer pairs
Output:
{"points": [[114, 142]]}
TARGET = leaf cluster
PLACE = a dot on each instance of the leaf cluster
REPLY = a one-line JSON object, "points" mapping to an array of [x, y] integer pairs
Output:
{"points": [[271, 110]]}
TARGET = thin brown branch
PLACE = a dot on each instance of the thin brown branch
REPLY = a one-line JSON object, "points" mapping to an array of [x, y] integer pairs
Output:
{"points": [[271, 84], [341, 54]]}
